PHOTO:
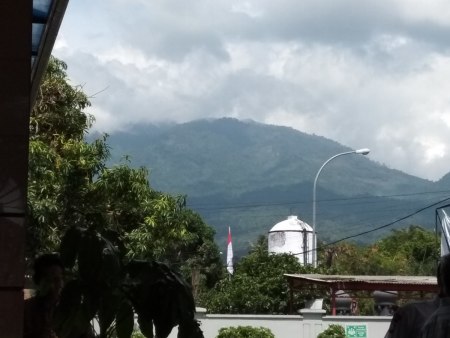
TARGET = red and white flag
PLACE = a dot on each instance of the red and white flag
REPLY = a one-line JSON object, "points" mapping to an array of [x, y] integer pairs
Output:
{"points": [[445, 234], [229, 253]]}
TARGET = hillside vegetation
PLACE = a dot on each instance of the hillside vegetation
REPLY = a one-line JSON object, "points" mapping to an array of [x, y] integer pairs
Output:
{"points": [[250, 176]]}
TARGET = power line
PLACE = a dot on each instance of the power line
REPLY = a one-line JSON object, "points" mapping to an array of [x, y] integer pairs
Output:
{"points": [[377, 228], [367, 214], [386, 211], [391, 223], [212, 207], [371, 230]]}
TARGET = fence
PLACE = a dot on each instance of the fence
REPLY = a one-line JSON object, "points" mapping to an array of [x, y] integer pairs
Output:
{"points": [[306, 325]]}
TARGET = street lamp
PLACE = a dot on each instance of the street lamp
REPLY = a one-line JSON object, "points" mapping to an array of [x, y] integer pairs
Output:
{"points": [[363, 151]]}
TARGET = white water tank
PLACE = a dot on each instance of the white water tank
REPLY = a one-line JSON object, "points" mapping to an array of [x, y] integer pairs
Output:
{"points": [[292, 236]]}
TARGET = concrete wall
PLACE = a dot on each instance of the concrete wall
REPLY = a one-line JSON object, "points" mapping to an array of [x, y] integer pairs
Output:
{"points": [[376, 326], [307, 325]]}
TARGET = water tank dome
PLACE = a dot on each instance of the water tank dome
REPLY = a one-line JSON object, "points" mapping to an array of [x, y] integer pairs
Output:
{"points": [[292, 236]]}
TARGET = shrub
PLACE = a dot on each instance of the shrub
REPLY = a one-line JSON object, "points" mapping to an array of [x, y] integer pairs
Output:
{"points": [[137, 334], [258, 285], [245, 332], [333, 331]]}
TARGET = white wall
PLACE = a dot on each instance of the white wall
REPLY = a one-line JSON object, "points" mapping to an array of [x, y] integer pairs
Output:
{"points": [[307, 325]]}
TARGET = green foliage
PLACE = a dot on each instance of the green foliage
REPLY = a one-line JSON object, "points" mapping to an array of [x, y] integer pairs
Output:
{"points": [[248, 175], [416, 246], [245, 332], [333, 331], [213, 157], [105, 284], [58, 111], [70, 185], [258, 284], [137, 334], [103, 220], [410, 251], [62, 165]]}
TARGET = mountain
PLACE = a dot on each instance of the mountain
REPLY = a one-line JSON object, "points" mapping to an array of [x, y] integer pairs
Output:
{"points": [[250, 176], [445, 180]]}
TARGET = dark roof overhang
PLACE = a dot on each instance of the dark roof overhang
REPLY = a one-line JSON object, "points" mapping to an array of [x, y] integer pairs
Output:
{"points": [[46, 20]]}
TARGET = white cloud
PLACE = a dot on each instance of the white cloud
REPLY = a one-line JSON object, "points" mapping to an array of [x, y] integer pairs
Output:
{"points": [[437, 11], [368, 74], [445, 118], [247, 8]]}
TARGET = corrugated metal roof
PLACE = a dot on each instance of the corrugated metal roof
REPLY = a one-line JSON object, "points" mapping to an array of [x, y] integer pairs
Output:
{"points": [[360, 282], [431, 280], [41, 14]]}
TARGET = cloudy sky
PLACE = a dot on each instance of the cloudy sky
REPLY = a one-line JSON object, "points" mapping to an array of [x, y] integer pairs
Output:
{"points": [[369, 73]]}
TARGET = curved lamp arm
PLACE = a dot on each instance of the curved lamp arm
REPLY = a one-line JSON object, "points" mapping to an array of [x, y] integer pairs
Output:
{"points": [[363, 151]]}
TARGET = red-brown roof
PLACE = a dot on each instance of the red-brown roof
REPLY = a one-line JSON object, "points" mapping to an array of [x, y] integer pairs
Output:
{"points": [[367, 283]]}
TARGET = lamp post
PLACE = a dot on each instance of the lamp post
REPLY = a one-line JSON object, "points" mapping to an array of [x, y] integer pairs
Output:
{"points": [[363, 151]]}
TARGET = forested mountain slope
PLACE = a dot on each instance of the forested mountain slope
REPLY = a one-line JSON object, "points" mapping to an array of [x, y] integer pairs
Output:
{"points": [[250, 175]]}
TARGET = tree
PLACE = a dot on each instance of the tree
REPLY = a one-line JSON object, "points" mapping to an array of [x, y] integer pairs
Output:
{"points": [[70, 184], [191, 249], [258, 284], [61, 164], [410, 251], [59, 108], [107, 286], [417, 247], [108, 223]]}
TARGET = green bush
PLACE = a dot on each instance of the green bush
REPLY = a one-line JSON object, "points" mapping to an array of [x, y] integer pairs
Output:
{"points": [[258, 285], [333, 331], [137, 334], [245, 332]]}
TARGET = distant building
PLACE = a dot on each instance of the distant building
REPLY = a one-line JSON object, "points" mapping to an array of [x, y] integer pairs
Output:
{"points": [[292, 236]]}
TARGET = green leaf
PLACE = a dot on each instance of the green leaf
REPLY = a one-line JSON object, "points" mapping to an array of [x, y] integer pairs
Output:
{"points": [[109, 304], [191, 329], [69, 247], [70, 295], [145, 324], [110, 270], [90, 257], [166, 314], [68, 310], [125, 320], [91, 302], [245, 331]]}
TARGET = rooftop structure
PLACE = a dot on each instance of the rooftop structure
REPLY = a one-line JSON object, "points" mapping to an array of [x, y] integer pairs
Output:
{"points": [[46, 20], [349, 284], [292, 236]]}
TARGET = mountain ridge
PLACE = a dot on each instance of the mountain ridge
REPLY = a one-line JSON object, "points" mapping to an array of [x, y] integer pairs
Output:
{"points": [[226, 161]]}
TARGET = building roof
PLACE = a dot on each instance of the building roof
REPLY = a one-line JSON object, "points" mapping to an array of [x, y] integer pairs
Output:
{"points": [[292, 223], [367, 283], [46, 20]]}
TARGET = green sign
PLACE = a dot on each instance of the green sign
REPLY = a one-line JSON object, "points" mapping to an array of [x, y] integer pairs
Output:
{"points": [[356, 331]]}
